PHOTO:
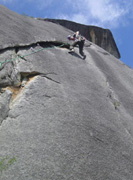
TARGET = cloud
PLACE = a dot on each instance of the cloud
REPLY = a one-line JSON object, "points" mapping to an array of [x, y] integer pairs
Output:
{"points": [[80, 18], [105, 13]]}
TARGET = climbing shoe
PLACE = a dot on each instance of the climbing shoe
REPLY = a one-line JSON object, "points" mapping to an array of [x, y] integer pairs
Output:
{"points": [[84, 57]]}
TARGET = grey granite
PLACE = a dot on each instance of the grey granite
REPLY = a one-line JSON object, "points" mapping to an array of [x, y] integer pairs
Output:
{"points": [[71, 119]]}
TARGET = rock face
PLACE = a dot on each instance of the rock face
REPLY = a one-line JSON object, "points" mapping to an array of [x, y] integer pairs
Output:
{"points": [[61, 117], [99, 36]]}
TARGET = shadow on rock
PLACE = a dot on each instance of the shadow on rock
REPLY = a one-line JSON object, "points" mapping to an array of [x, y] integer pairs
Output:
{"points": [[75, 54]]}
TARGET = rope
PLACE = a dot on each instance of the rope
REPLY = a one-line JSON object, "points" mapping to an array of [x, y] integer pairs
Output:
{"points": [[36, 51]]}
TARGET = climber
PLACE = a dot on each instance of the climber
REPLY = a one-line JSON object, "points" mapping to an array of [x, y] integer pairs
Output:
{"points": [[78, 40]]}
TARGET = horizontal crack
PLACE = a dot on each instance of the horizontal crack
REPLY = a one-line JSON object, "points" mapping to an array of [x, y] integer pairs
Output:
{"points": [[44, 44], [25, 77], [51, 79], [35, 73]]}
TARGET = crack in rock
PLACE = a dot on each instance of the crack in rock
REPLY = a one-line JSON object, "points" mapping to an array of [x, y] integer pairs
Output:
{"points": [[9, 76], [12, 81], [26, 77], [44, 44], [5, 99], [112, 97]]}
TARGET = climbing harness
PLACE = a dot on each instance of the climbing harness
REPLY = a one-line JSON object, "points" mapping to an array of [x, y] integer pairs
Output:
{"points": [[35, 51]]}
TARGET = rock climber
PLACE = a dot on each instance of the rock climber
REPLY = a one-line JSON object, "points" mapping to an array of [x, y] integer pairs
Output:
{"points": [[78, 40]]}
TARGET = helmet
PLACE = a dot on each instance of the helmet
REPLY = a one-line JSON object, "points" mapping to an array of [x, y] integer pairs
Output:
{"points": [[77, 33], [68, 37]]}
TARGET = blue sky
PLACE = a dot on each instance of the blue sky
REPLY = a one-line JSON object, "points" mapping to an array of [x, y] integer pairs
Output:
{"points": [[116, 15]]}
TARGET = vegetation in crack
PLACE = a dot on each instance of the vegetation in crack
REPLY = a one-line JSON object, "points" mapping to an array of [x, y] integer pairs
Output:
{"points": [[6, 162], [112, 97]]}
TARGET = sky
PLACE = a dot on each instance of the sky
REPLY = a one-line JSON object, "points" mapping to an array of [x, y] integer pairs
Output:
{"points": [[116, 15]]}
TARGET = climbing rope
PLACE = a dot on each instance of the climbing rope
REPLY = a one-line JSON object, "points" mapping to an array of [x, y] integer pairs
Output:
{"points": [[35, 51]]}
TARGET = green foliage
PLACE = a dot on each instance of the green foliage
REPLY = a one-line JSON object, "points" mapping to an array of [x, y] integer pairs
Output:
{"points": [[116, 104], [6, 162]]}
